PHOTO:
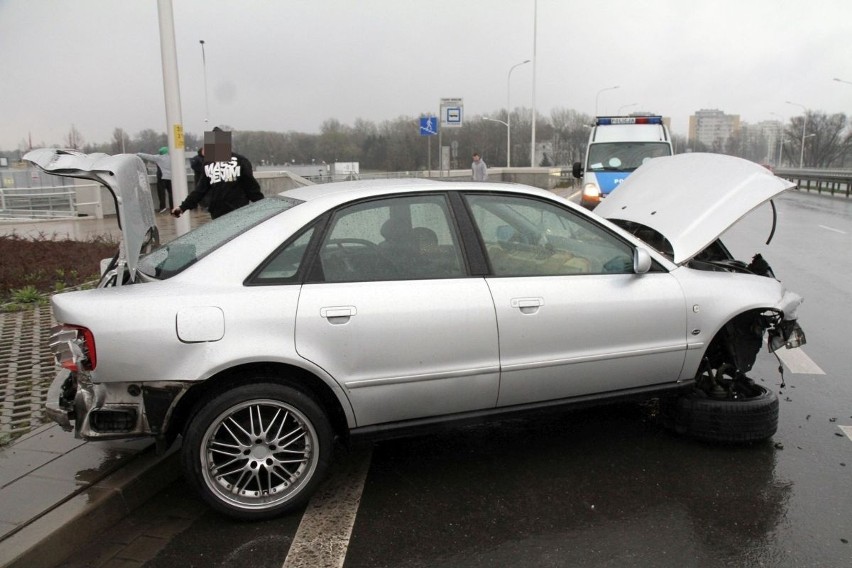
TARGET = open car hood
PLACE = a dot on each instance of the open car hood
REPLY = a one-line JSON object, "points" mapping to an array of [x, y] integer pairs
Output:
{"points": [[691, 199], [126, 178]]}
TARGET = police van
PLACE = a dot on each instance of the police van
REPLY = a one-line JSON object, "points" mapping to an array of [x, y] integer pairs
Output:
{"points": [[617, 146]]}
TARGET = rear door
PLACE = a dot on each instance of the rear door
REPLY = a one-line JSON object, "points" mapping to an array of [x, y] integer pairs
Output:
{"points": [[393, 316]]}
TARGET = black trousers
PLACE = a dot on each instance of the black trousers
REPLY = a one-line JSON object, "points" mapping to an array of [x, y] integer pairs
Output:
{"points": [[165, 186]]}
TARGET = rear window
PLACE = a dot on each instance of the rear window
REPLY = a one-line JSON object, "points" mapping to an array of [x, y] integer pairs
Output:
{"points": [[186, 250]]}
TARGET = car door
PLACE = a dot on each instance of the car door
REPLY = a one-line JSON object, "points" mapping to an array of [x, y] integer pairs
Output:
{"points": [[393, 316], [573, 317]]}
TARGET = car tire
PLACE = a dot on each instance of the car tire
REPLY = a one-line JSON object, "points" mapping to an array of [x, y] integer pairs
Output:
{"points": [[257, 451], [747, 419]]}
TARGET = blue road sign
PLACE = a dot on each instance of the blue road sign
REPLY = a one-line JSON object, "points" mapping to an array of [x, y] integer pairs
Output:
{"points": [[428, 126]]}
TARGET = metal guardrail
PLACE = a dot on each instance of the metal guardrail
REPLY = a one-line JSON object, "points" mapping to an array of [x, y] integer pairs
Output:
{"points": [[832, 182], [54, 202]]}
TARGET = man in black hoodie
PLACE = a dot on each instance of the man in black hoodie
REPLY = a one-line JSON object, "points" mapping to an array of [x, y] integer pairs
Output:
{"points": [[228, 178]]}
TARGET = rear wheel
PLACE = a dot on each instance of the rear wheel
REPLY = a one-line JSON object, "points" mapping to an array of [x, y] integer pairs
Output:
{"points": [[257, 451]]}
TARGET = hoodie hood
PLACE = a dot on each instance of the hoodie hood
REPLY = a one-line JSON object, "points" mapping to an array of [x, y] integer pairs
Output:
{"points": [[691, 199], [126, 178]]}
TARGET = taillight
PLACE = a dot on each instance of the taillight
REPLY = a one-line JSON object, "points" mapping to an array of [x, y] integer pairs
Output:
{"points": [[74, 347]]}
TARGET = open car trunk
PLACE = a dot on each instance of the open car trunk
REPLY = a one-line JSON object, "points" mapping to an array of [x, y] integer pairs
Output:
{"points": [[126, 178]]}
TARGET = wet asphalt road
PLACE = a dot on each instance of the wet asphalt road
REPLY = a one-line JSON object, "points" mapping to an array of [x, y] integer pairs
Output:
{"points": [[599, 487]]}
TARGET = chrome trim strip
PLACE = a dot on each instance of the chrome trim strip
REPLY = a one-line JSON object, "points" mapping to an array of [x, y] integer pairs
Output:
{"points": [[384, 381], [590, 358]]}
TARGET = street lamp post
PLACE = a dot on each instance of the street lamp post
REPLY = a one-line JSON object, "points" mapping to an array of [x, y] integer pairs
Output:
{"points": [[599, 94], [780, 139], [508, 122], [206, 102], [535, 63], [508, 139], [811, 135], [804, 127]]}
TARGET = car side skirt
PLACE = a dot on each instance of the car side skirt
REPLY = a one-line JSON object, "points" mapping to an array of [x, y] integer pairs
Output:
{"points": [[424, 425]]}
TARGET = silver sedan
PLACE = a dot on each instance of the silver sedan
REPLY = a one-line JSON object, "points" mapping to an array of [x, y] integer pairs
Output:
{"points": [[371, 307]]}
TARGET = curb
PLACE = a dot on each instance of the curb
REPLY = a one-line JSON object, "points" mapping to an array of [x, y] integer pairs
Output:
{"points": [[50, 539]]}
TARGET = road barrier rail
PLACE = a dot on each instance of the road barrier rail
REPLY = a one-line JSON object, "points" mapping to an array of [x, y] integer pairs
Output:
{"points": [[835, 182]]}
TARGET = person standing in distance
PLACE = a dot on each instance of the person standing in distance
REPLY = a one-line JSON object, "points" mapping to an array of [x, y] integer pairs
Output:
{"points": [[228, 178], [164, 177], [478, 169]]}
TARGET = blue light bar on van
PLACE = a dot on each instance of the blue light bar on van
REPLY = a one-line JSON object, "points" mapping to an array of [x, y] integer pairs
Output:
{"points": [[607, 120]]}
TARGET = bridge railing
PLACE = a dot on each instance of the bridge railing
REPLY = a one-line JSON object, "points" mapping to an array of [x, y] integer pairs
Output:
{"points": [[834, 182]]}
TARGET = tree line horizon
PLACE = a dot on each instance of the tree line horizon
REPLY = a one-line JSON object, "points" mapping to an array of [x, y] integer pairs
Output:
{"points": [[561, 138]]}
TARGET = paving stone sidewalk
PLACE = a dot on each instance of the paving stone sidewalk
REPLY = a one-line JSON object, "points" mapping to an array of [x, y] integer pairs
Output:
{"points": [[27, 368]]}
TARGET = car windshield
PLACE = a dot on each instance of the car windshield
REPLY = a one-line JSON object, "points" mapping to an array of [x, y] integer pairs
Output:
{"points": [[187, 249], [624, 156]]}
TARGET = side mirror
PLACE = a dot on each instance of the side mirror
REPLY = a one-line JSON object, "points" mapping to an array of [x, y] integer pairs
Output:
{"points": [[641, 260], [577, 170]]}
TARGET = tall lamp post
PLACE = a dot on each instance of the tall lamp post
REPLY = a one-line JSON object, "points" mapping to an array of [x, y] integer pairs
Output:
{"points": [[508, 138], [804, 127], [204, 64], [780, 138], [599, 94], [508, 122], [535, 62]]}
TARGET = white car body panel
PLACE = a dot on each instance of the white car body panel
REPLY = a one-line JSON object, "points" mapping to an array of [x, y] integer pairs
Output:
{"points": [[429, 346], [692, 199], [707, 310], [570, 344]]}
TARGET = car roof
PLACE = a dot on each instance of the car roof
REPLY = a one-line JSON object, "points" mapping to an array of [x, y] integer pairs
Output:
{"points": [[344, 191]]}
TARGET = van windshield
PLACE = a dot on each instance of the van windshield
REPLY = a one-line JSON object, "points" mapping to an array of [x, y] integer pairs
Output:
{"points": [[624, 156]]}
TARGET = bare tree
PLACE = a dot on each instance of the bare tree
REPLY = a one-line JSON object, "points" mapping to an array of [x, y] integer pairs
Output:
{"points": [[826, 144], [120, 141], [74, 139]]}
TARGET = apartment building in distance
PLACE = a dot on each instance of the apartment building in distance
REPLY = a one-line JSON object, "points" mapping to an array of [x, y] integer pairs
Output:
{"points": [[712, 128]]}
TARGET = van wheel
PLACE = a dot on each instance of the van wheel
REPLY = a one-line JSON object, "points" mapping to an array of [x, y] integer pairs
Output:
{"points": [[257, 451], [750, 418]]}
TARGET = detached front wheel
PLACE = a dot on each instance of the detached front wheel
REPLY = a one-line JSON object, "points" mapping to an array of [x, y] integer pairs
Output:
{"points": [[257, 451], [751, 417]]}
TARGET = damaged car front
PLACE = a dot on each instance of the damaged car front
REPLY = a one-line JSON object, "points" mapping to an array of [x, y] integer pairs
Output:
{"points": [[680, 206]]}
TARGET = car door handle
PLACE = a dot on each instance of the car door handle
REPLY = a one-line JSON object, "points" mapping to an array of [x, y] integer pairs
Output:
{"points": [[527, 305], [338, 312]]}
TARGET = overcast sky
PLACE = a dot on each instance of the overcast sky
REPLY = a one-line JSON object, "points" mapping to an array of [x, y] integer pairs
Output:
{"points": [[288, 65]]}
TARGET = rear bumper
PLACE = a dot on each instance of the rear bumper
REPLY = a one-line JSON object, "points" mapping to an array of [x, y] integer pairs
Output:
{"points": [[103, 411], [54, 408]]}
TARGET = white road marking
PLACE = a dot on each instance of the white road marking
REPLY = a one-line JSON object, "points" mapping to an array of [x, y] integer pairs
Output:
{"points": [[323, 535], [847, 430], [832, 229], [797, 361]]}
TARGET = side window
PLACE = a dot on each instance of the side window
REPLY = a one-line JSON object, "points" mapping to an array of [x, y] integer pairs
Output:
{"points": [[528, 237], [285, 264], [400, 238]]}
